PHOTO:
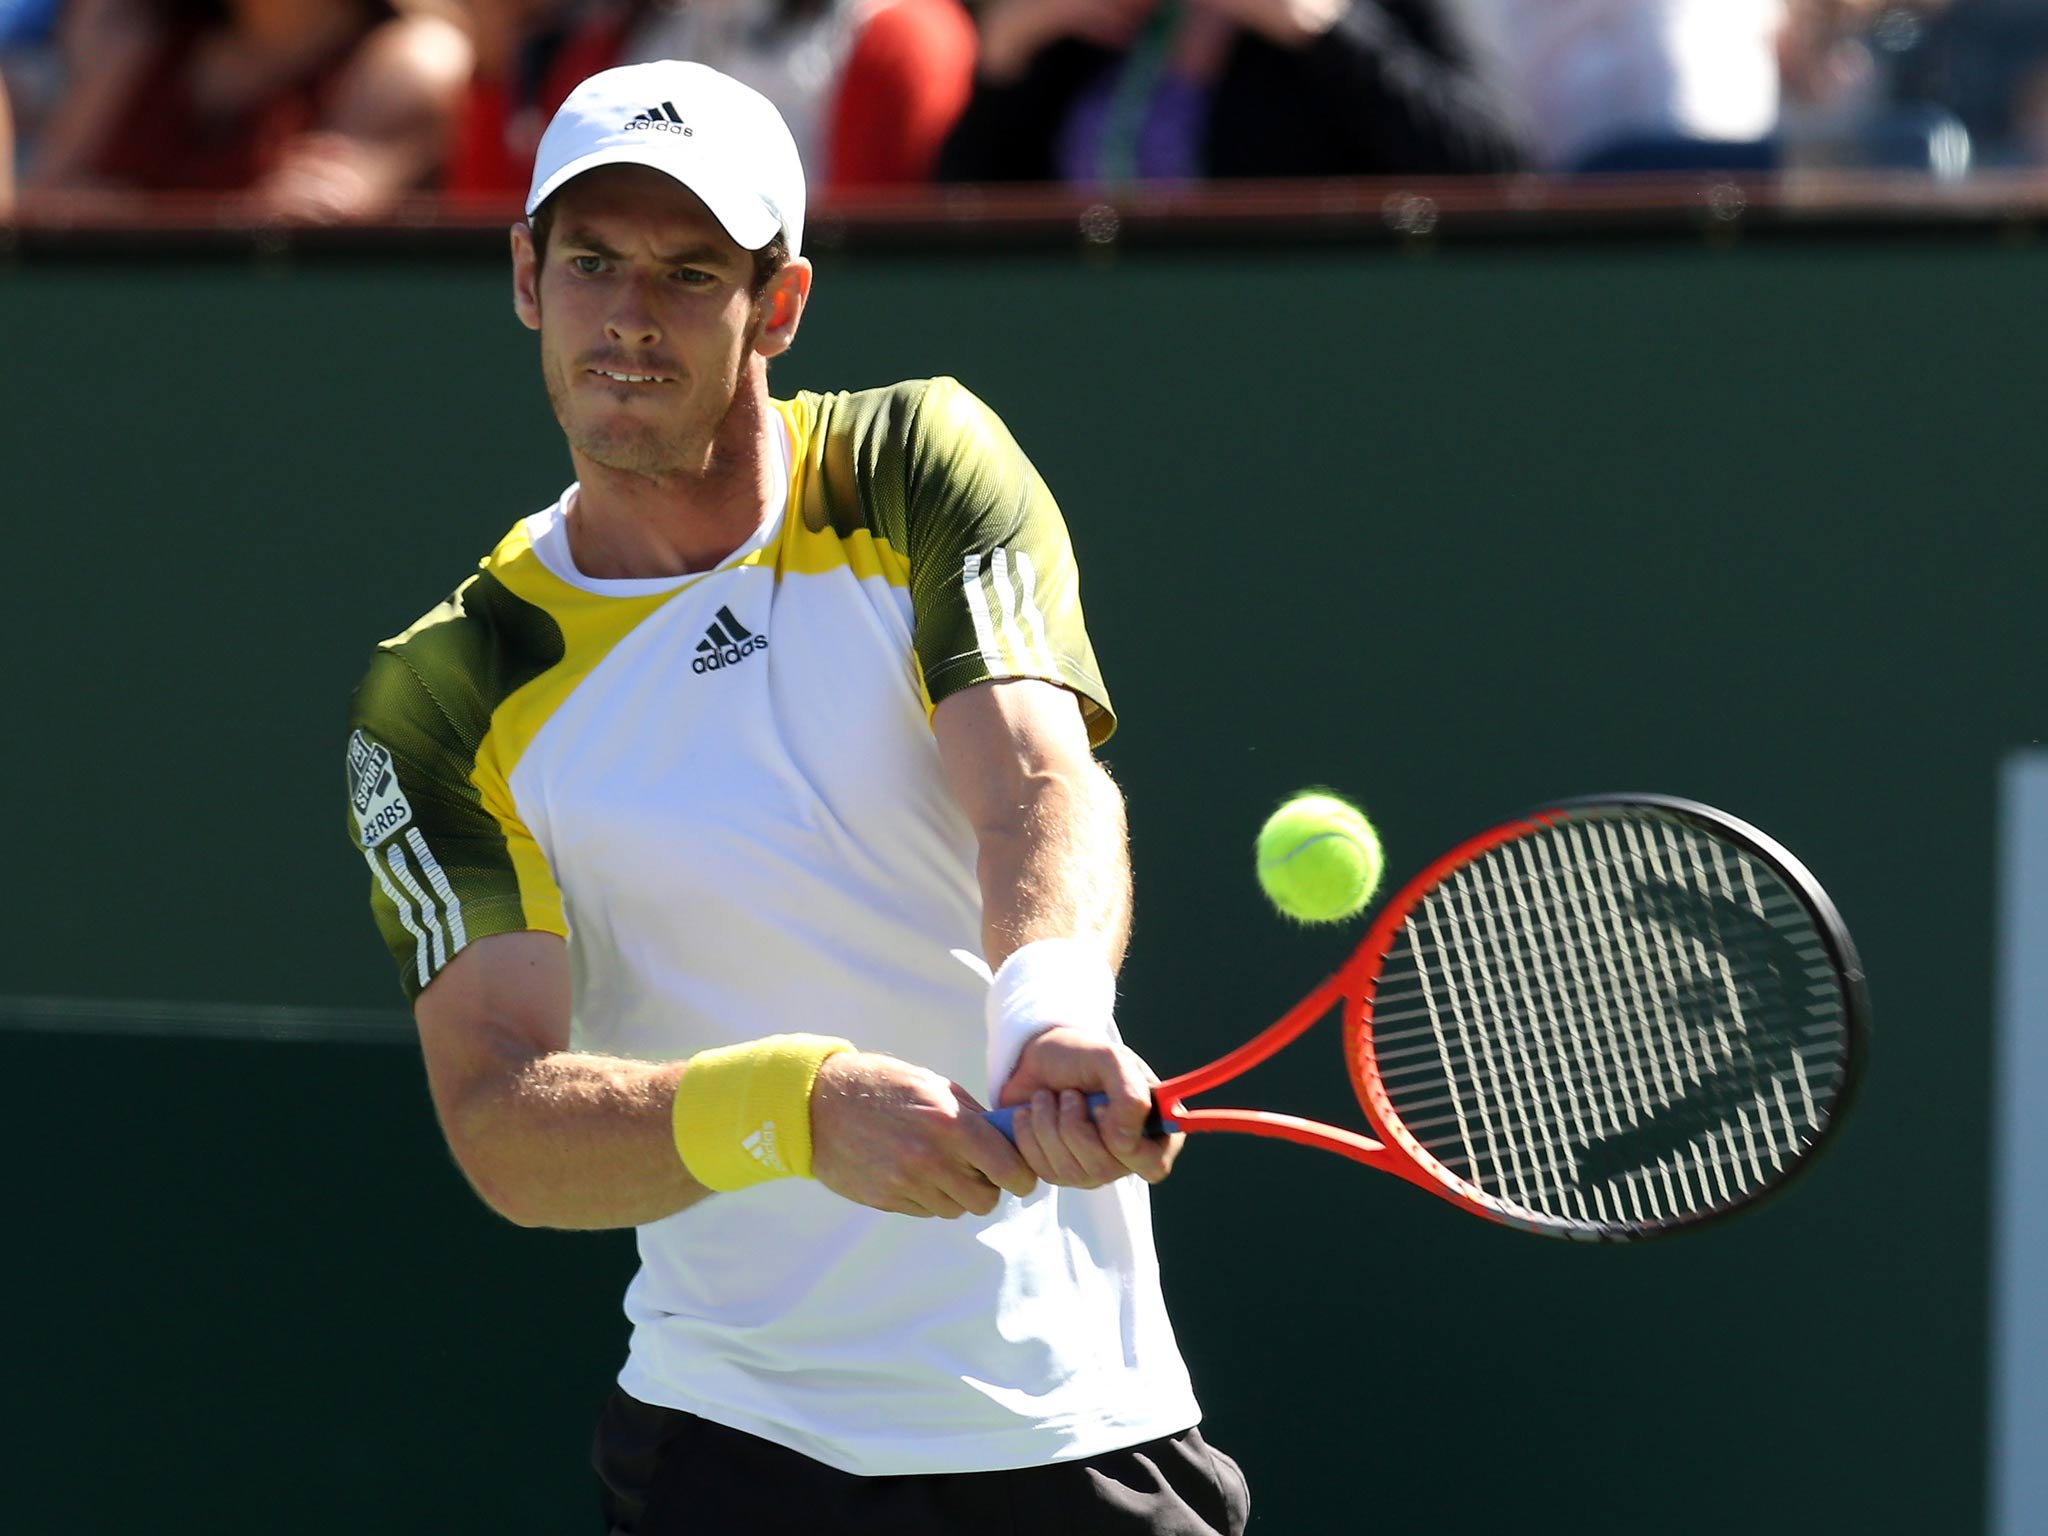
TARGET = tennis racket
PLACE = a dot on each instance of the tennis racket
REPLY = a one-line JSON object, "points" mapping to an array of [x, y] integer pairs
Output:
{"points": [[1612, 1018]]}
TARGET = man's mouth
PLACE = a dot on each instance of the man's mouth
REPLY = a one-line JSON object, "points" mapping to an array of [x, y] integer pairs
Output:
{"points": [[621, 377]]}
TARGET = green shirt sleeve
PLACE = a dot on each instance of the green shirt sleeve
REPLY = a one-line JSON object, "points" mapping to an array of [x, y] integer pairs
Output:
{"points": [[995, 592], [448, 863]]}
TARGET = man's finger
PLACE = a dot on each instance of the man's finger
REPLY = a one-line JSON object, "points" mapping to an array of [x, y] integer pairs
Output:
{"points": [[1123, 1120], [1152, 1158], [975, 1195], [1049, 1154], [938, 1200], [1083, 1138], [968, 1100], [991, 1154]]}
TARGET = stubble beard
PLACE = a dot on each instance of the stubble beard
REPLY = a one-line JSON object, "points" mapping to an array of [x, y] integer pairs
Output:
{"points": [[653, 449]]}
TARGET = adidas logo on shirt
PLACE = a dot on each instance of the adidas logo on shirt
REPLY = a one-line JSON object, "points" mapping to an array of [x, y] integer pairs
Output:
{"points": [[726, 643], [663, 118]]}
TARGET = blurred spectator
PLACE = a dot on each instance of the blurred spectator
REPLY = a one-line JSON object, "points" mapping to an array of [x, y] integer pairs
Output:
{"points": [[1825, 64], [1640, 84], [869, 88], [6, 152], [1847, 100], [529, 53], [324, 109], [1087, 91], [2029, 121], [29, 65], [26, 21], [1984, 60]]}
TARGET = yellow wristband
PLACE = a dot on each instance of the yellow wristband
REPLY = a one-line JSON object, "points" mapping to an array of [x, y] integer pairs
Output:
{"points": [[743, 1112]]}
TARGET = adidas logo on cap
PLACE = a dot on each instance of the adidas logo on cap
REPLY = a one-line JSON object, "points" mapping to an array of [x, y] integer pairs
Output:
{"points": [[663, 118], [722, 139], [726, 643]]}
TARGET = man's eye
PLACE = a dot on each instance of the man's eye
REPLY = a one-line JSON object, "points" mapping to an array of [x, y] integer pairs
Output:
{"points": [[589, 266], [693, 277]]}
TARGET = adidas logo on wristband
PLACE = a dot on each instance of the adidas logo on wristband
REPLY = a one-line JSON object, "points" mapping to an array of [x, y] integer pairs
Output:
{"points": [[762, 1149]]}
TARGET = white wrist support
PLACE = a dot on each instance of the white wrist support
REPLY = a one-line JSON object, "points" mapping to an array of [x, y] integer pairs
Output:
{"points": [[1047, 982]]}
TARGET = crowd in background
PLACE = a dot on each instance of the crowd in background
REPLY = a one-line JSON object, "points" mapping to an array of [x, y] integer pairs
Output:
{"points": [[335, 109]]}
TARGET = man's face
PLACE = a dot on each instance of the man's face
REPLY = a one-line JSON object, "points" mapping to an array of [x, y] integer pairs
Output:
{"points": [[646, 316]]}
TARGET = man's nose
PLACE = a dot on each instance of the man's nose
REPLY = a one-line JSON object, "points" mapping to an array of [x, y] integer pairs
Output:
{"points": [[632, 319]]}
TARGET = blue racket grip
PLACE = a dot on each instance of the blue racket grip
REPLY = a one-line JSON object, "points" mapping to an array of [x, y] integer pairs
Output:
{"points": [[1156, 1125]]}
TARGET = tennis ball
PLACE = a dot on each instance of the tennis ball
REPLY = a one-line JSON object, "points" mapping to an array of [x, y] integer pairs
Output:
{"points": [[1319, 858]]}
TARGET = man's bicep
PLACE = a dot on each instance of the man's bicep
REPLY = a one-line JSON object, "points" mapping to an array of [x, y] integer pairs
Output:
{"points": [[500, 1003]]}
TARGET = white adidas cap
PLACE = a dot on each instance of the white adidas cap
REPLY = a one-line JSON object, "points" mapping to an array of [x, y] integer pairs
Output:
{"points": [[723, 140]]}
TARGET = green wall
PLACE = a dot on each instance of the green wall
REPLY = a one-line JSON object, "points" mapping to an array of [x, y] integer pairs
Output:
{"points": [[1455, 531]]}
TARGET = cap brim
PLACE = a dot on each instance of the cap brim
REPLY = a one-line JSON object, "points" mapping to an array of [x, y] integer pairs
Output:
{"points": [[739, 213]]}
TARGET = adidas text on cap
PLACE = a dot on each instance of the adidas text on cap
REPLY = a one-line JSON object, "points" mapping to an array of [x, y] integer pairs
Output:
{"points": [[723, 140]]}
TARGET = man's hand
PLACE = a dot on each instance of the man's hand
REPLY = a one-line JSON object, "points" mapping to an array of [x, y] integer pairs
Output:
{"points": [[894, 1136], [1060, 1140]]}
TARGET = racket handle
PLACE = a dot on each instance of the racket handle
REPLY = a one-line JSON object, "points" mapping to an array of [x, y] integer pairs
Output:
{"points": [[1156, 1125]]}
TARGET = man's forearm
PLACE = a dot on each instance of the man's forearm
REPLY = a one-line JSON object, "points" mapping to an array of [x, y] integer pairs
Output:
{"points": [[1059, 866], [1065, 875], [574, 1141]]}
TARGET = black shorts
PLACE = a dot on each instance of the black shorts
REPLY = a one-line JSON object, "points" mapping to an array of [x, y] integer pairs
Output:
{"points": [[666, 1473]]}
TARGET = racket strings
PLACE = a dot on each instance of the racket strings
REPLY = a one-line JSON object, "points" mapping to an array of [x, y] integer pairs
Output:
{"points": [[1615, 1020]]}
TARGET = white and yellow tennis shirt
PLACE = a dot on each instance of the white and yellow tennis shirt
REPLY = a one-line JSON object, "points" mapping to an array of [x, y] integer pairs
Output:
{"points": [[723, 790]]}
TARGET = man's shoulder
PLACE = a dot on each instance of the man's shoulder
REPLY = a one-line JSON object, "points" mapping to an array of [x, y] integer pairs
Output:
{"points": [[873, 453], [453, 665], [901, 413], [904, 392]]}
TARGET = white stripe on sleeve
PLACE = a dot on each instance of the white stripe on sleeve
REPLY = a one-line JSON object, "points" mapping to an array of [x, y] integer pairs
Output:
{"points": [[1018, 644], [395, 857], [404, 915], [458, 940], [985, 635], [1034, 619]]}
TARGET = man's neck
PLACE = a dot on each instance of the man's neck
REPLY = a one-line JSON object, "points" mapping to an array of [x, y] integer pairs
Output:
{"points": [[626, 525]]}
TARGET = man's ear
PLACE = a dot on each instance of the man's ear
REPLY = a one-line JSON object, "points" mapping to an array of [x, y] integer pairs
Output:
{"points": [[782, 307], [525, 277]]}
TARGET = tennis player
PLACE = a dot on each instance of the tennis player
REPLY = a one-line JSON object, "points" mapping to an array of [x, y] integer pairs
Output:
{"points": [[697, 817]]}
